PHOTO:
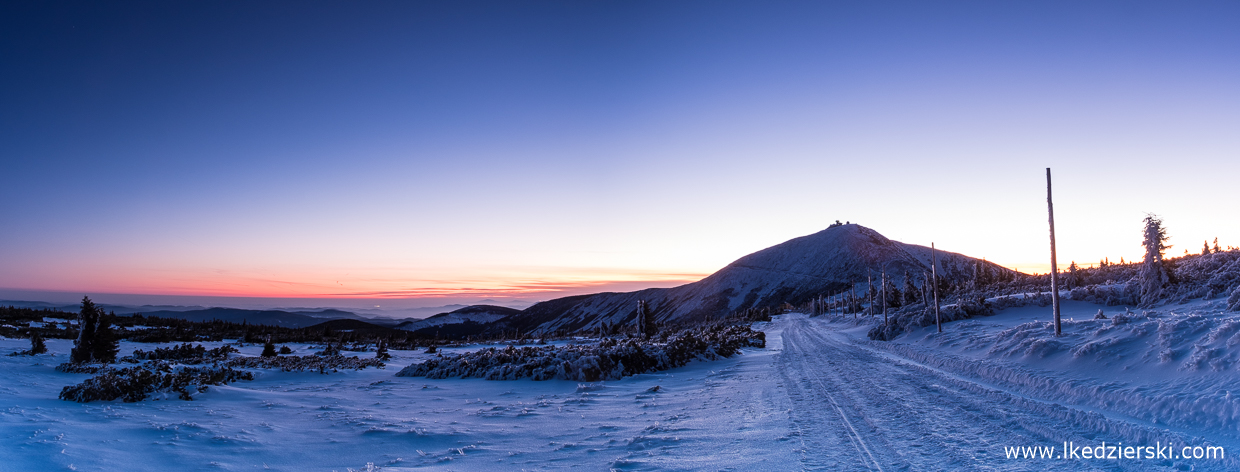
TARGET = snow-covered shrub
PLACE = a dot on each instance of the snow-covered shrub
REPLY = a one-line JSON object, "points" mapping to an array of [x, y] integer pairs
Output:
{"points": [[133, 384], [71, 368], [322, 364], [1119, 294], [185, 354], [1078, 293], [37, 346], [1233, 302], [907, 321], [610, 359]]}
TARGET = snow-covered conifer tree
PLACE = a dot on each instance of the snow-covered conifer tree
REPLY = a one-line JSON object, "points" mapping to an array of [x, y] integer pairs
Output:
{"points": [[910, 290], [1153, 273]]}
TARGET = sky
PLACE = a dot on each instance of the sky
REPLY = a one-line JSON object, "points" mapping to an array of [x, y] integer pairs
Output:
{"points": [[520, 151]]}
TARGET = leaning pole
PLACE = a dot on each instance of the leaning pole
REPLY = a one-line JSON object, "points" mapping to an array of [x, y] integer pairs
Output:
{"points": [[1050, 209]]}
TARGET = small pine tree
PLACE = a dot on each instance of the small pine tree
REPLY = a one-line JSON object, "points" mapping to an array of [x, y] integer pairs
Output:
{"points": [[645, 320], [106, 344], [910, 290], [269, 349], [37, 346], [1205, 248], [381, 352], [83, 346], [285, 350], [329, 350], [1216, 249], [1073, 277]]}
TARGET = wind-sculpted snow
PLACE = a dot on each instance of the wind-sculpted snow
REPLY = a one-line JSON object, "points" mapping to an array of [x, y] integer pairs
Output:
{"points": [[608, 360], [133, 384]]}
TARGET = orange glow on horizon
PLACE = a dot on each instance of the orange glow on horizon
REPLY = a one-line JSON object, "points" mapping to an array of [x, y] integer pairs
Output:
{"points": [[254, 287]]}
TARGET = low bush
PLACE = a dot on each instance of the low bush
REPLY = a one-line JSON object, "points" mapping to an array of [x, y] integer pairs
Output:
{"points": [[185, 354], [322, 364], [132, 384], [610, 359]]}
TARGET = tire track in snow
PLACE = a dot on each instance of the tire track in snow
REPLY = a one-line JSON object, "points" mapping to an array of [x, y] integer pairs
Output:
{"points": [[861, 410]]}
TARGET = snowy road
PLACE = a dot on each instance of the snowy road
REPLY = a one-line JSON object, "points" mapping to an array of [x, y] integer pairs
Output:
{"points": [[858, 408]]}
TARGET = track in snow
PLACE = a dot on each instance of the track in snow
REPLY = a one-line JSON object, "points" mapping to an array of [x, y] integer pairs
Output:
{"points": [[858, 409]]}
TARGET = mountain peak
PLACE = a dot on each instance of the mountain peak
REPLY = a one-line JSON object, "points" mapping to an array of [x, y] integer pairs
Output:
{"points": [[840, 258]]}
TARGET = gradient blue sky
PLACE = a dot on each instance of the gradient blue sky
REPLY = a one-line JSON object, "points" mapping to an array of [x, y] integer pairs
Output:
{"points": [[525, 150]]}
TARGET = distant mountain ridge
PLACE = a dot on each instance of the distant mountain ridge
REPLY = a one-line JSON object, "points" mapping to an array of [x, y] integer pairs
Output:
{"points": [[834, 260], [282, 318]]}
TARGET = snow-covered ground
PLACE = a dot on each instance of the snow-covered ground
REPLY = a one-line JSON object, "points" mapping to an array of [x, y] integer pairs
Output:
{"points": [[714, 415], [821, 396], [1138, 376]]}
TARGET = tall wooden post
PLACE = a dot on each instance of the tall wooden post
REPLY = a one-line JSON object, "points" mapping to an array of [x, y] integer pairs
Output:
{"points": [[1050, 209], [884, 274], [934, 274], [869, 290], [853, 299]]}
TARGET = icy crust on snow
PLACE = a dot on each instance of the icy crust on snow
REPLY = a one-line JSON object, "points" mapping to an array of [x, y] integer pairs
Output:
{"points": [[608, 360], [1175, 366]]}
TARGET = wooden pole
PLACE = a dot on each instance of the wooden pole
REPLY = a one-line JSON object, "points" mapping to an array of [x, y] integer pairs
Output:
{"points": [[1050, 210], [934, 274], [884, 295], [869, 290]]}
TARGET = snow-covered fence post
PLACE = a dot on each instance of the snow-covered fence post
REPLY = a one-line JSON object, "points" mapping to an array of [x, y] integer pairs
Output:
{"points": [[1050, 210]]}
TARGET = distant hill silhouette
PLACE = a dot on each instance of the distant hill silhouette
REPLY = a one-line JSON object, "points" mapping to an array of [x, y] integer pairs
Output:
{"points": [[836, 259], [359, 326], [264, 317], [473, 319]]}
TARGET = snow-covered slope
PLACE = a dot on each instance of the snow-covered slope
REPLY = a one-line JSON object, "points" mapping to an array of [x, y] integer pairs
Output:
{"points": [[837, 259]]}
